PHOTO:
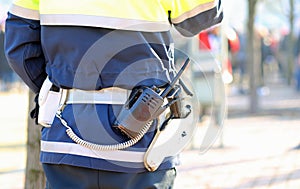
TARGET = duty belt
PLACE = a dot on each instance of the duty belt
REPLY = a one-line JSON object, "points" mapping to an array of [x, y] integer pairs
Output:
{"points": [[111, 95]]}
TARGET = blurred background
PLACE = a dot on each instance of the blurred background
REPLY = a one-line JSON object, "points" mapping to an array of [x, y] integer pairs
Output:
{"points": [[246, 76]]}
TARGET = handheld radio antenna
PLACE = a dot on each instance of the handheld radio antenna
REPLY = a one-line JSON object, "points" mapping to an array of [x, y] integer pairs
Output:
{"points": [[171, 85]]}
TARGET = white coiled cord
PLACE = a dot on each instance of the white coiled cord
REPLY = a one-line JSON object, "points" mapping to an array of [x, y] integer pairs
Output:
{"points": [[100, 147]]}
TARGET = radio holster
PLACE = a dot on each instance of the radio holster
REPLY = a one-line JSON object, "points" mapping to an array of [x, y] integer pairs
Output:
{"points": [[143, 105], [147, 103], [179, 108]]}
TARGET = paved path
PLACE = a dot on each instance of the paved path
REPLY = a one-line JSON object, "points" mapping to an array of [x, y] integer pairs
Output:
{"points": [[258, 149], [257, 154]]}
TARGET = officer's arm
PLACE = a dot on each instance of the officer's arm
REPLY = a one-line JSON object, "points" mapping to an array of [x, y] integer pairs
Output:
{"points": [[191, 17], [23, 49]]}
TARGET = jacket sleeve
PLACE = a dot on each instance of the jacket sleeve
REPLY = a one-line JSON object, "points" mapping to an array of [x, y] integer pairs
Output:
{"points": [[190, 17], [23, 50]]}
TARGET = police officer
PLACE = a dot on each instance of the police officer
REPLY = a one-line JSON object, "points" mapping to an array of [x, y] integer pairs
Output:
{"points": [[84, 58]]}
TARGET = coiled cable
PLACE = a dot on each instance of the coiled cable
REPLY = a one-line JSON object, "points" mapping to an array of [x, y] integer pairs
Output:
{"points": [[100, 147]]}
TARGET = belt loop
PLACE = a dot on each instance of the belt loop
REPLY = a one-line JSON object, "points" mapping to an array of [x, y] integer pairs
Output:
{"points": [[62, 102]]}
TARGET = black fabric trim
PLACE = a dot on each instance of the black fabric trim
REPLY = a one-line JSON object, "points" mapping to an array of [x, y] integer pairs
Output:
{"points": [[196, 24]]}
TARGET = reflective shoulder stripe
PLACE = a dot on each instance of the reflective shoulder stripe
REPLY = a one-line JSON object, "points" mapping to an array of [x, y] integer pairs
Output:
{"points": [[130, 9], [181, 15], [29, 4], [24, 12], [139, 15], [76, 149], [106, 22]]}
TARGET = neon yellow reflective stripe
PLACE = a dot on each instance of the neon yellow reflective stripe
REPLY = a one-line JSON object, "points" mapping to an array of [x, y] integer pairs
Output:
{"points": [[129, 9], [28, 4], [24, 12], [182, 6], [139, 15], [197, 10], [183, 9], [106, 22]]}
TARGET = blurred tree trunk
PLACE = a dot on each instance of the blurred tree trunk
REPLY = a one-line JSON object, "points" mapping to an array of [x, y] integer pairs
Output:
{"points": [[291, 55], [35, 178], [252, 62]]}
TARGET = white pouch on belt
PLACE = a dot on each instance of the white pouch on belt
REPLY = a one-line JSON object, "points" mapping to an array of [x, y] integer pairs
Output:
{"points": [[49, 102]]}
